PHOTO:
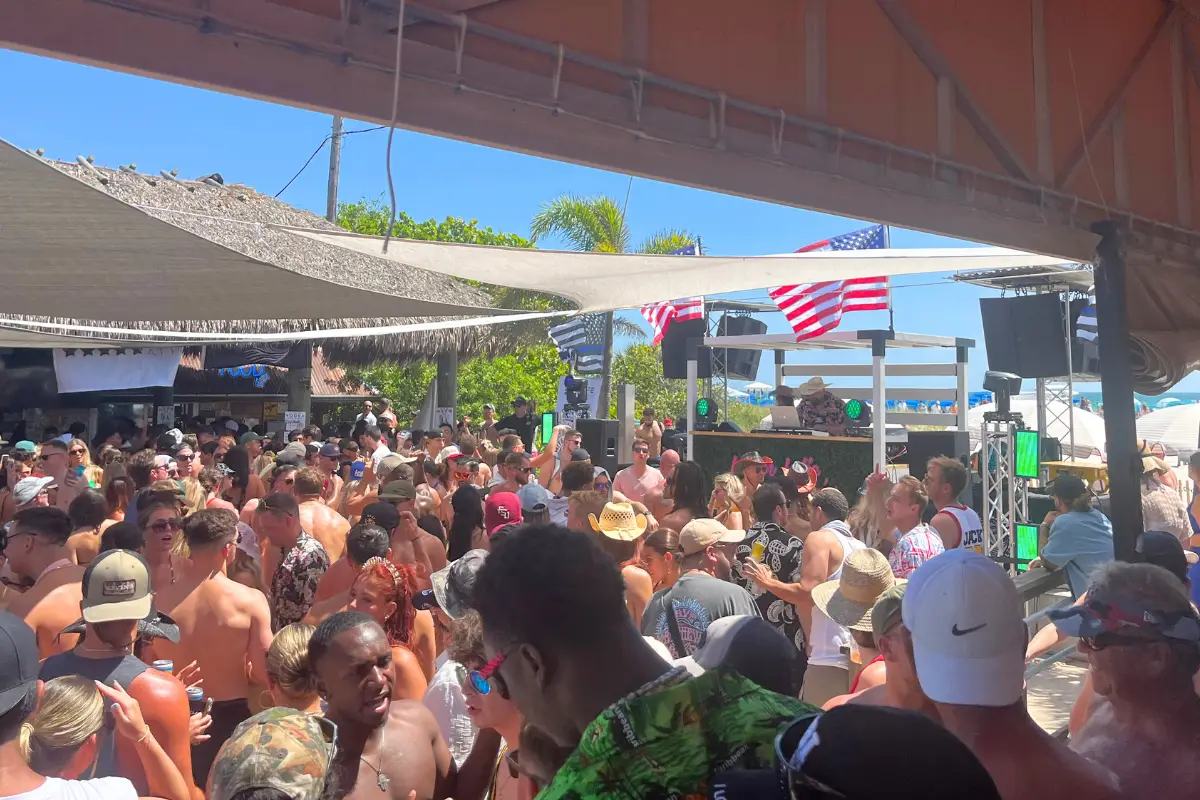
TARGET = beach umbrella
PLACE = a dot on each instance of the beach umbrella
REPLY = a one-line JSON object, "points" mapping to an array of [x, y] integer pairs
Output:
{"points": [[1089, 427], [1167, 402], [755, 388], [1177, 427]]}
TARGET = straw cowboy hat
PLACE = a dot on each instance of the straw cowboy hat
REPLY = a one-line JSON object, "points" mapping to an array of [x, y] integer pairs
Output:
{"points": [[618, 521], [812, 386], [751, 457], [1151, 462], [866, 574]]}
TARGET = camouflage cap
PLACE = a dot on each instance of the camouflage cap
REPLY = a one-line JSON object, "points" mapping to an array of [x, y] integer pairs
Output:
{"points": [[280, 748]]}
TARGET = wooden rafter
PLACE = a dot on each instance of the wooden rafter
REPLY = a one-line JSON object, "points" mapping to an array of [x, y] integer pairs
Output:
{"points": [[1111, 105], [912, 33]]}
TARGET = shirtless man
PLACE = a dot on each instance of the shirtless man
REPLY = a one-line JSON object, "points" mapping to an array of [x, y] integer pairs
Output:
{"points": [[320, 521], [411, 544], [37, 553], [970, 657], [89, 517], [659, 501], [223, 626], [329, 458], [386, 749], [365, 540], [958, 525], [1141, 637], [650, 431], [116, 595], [283, 481]]}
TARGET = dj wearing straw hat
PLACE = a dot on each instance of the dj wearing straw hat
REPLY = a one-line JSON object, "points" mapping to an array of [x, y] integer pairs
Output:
{"points": [[819, 409]]}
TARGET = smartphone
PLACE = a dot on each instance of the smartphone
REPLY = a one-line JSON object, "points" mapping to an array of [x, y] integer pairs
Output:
{"points": [[548, 423], [79, 471]]}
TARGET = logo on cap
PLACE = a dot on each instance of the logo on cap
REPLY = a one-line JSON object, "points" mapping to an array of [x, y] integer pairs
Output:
{"points": [[125, 588], [954, 629]]}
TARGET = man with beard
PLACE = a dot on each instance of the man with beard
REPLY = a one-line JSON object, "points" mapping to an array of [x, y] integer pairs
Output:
{"points": [[386, 748], [769, 550], [679, 616]]}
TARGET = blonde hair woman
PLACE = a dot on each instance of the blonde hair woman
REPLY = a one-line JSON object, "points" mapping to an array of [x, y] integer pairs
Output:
{"points": [[867, 519], [291, 682], [194, 496], [63, 738], [725, 504], [78, 455]]}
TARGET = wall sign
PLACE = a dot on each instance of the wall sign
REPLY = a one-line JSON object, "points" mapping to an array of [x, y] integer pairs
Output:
{"points": [[256, 371]]}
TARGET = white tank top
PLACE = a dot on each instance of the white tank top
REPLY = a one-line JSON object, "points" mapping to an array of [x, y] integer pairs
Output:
{"points": [[827, 637], [969, 526]]}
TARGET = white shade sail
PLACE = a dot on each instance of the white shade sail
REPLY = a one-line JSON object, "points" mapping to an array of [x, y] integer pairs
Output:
{"points": [[1090, 436], [70, 248], [608, 281], [1176, 427]]}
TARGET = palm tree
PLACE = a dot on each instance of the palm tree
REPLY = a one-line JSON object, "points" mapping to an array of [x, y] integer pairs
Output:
{"points": [[598, 225]]}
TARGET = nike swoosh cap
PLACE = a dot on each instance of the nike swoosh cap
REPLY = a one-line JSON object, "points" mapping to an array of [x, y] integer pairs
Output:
{"points": [[968, 630]]}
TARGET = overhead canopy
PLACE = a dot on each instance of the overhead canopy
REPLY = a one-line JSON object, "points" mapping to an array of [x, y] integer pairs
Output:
{"points": [[606, 281], [62, 238]]}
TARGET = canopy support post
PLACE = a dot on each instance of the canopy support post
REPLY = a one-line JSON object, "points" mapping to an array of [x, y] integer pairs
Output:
{"points": [[1116, 383], [693, 368], [879, 399]]}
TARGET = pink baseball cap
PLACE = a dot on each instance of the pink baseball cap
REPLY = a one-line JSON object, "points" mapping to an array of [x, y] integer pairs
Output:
{"points": [[500, 509]]}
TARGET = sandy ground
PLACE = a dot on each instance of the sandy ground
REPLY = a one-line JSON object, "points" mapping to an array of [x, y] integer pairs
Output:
{"points": [[1051, 694]]}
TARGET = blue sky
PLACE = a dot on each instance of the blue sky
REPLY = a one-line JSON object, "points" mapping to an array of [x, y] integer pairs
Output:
{"points": [[73, 110]]}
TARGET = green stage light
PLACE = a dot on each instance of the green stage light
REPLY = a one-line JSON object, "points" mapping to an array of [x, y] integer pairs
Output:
{"points": [[702, 407], [854, 409]]}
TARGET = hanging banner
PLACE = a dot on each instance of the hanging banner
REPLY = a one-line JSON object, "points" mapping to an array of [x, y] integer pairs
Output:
{"points": [[107, 370], [274, 354]]}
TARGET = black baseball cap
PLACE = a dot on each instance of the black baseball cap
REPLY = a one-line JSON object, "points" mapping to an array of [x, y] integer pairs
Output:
{"points": [[520, 401], [167, 444], [331, 450], [19, 661], [382, 514], [1164, 550], [1068, 486], [579, 454]]}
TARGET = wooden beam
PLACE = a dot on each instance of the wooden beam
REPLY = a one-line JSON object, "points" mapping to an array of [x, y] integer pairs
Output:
{"points": [[935, 62], [635, 31], [946, 117], [1114, 100], [1041, 93], [1180, 126], [1120, 158], [815, 58]]}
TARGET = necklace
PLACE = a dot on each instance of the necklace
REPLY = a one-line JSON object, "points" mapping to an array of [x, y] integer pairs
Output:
{"points": [[381, 780]]}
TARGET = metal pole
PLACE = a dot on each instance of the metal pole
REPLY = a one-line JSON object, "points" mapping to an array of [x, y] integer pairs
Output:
{"points": [[963, 394], [780, 355], [335, 168], [1116, 384], [1070, 374], [879, 412], [692, 370]]}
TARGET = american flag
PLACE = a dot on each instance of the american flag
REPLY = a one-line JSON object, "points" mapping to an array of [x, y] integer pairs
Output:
{"points": [[660, 315], [580, 343], [816, 308]]}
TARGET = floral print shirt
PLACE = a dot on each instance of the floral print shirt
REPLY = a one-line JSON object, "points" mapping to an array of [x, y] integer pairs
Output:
{"points": [[820, 412], [781, 555], [294, 584]]}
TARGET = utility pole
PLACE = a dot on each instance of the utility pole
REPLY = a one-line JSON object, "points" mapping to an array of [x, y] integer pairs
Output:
{"points": [[335, 168]]}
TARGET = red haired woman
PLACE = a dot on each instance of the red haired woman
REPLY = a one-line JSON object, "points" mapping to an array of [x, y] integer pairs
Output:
{"points": [[383, 591]]}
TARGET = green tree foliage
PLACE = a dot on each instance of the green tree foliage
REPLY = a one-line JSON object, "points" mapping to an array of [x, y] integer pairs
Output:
{"points": [[641, 365]]}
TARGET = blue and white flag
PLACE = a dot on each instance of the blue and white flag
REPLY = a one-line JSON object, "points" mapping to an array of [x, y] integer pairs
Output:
{"points": [[1085, 326], [580, 343]]}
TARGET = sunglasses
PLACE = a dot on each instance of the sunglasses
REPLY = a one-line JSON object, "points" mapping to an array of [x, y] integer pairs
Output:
{"points": [[1105, 640], [185, 456], [480, 679], [164, 525], [76, 452], [48, 456]]}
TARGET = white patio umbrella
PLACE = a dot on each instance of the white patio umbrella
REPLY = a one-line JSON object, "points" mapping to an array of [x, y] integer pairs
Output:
{"points": [[735, 393], [755, 388], [1089, 427], [1167, 402], [1177, 427]]}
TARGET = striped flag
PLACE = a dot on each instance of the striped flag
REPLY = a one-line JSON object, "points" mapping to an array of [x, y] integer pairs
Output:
{"points": [[1085, 326], [660, 315], [580, 343], [816, 308]]}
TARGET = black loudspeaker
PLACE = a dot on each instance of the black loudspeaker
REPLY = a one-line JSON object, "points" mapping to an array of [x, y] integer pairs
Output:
{"points": [[743, 364], [924, 445], [1025, 335], [600, 440], [729, 427], [674, 350]]}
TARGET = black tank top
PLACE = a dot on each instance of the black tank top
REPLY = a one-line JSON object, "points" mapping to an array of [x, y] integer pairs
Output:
{"points": [[122, 670]]}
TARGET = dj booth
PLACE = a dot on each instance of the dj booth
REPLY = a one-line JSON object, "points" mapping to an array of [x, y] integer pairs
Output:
{"points": [[839, 461]]}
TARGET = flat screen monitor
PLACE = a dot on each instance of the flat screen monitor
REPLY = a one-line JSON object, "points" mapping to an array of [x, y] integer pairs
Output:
{"points": [[1027, 455], [1027, 546]]}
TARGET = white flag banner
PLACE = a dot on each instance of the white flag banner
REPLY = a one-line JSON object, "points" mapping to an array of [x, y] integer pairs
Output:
{"points": [[101, 370]]}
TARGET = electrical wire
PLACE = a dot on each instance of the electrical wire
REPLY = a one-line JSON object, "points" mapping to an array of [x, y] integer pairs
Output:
{"points": [[387, 238], [321, 147]]}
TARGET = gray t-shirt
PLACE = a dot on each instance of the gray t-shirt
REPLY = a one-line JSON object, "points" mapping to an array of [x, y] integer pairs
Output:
{"points": [[696, 600]]}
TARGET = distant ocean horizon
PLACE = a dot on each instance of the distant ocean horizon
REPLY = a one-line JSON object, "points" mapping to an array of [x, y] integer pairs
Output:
{"points": [[1151, 401]]}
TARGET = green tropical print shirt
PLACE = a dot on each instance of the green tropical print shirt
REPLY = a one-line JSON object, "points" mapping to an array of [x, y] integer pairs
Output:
{"points": [[669, 743]]}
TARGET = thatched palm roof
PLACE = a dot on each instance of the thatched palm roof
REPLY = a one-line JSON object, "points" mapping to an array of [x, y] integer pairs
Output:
{"points": [[237, 217]]}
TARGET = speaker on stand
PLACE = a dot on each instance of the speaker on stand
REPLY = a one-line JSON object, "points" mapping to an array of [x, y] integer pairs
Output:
{"points": [[674, 350], [600, 438]]}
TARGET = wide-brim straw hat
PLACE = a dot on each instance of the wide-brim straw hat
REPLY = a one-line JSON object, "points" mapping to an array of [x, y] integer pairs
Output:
{"points": [[812, 386], [619, 521], [848, 601]]}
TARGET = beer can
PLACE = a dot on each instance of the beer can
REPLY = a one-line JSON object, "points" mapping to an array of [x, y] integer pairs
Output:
{"points": [[164, 665]]}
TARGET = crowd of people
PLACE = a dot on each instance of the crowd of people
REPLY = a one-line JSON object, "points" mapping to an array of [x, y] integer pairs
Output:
{"points": [[368, 612]]}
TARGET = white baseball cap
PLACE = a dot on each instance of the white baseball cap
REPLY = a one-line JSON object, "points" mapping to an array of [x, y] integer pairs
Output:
{"points": [[968, 630]]}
